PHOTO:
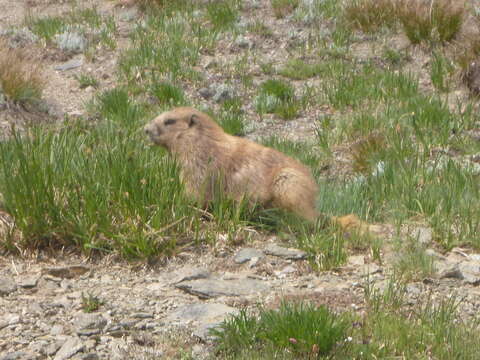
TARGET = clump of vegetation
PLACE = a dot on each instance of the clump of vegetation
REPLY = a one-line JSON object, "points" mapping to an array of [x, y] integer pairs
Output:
{"points": [[20, 77], [86, 80], [436, 21], [88, 21], [366, 153], [282, 8], [413, 262], [91, 303], [441, 72], [371, 15], [277, 96], [168, 94], [301, 329], [222, 14], [259, 28], [300, 70], [232, 117]]}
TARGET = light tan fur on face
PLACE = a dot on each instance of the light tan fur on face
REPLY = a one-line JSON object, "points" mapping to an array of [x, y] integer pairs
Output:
{"points": [[208, 157]]}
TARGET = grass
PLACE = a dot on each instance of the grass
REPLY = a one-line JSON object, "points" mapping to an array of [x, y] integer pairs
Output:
{"points": [[386, 330], [94, 188], [300, 70], [20, 77], [369, 16], [302, 330], [282, 8], [91, 303], [232, 117], [413, 262], [222, 14], [439, 22], [168, 94], [86, 80], [101, 29], [441, 72], [277, 96]]}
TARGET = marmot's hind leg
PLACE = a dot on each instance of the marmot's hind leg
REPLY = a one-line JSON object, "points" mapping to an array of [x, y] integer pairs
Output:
{"points": [[294, 191]]}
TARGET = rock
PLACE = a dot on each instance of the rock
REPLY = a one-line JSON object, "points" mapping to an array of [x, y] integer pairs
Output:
{"points": [[470, 272], [89, 324], [209, 288], [247, 254], [243, 43], [17, 355], [201, 312], [292, 254], [289, 269], [69, 65], [356, 260], [422, 234], [68, 272], [7, 285], [142, 315], [472, 77], [9, 319], [369, 269], [206, 93], [69, 348], [52, 348], [90, 356], [71, 41], [56, 330], [451, 271], [22, 37], [28, 282], [222, 92], [128, 14], [203, 332], [191, 273]]}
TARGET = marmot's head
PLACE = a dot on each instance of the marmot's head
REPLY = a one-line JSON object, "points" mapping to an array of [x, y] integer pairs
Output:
{"points": [[167, 128]]}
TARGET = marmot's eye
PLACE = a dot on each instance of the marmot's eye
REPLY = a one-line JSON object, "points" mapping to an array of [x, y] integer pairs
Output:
{"points": [[170, 121]]}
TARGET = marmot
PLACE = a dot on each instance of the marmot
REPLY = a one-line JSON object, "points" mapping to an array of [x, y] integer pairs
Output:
{"points": [[211, 159]]}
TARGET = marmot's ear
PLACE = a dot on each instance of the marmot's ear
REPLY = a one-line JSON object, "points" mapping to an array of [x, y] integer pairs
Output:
{"points": [[193, 120]]}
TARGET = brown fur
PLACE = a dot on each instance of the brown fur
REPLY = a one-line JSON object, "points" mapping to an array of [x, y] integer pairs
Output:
{"points": [[209, 157]]}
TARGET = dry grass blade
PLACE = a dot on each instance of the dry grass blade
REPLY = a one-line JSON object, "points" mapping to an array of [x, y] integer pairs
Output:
{"points": [[439, 20], [370, 15], [20, 78]]}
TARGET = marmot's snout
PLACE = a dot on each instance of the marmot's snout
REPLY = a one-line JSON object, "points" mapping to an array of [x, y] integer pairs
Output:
{"points": [[151, 130]]}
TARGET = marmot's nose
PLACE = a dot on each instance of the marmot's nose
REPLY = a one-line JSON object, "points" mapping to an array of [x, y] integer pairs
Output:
{"points": [[146, 128]]}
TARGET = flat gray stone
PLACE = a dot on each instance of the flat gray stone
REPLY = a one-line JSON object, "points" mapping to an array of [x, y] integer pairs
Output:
{"points": [[7, 285], [451, 272], [142, 315], [69, 348], [68, 272], [369, 269], [17, 355], [201, 312], [191, 273], [470, 272], [286, 253], [9, 319], [89, 324], [247, 254], [28, 282], [56, 330], [69, 65], [210, 288]]}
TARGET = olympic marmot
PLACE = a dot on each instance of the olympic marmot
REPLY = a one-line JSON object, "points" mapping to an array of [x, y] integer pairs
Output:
{"points": [[210, 158]]}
